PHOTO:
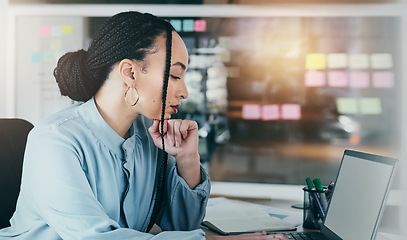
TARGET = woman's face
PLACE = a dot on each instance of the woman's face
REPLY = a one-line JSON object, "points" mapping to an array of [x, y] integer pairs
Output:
{"points": [[150, 81]]}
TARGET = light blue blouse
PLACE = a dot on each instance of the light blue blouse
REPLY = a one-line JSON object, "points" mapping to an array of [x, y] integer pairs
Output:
{"points": [[81, 180]]}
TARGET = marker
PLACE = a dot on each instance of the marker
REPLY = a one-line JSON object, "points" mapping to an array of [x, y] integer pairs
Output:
{"points": [[330, 189], [316, 197], [321, 192], [331, 185]]}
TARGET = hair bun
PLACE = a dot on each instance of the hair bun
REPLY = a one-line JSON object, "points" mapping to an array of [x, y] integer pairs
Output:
{"points": [[74, 78]]}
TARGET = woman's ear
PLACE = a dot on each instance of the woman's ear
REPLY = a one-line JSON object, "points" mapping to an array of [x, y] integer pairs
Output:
{"points": [[127, 69]]}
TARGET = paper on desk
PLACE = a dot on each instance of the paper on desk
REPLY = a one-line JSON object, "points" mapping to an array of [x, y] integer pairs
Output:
{"points": [[292, 217], [234, 217]]}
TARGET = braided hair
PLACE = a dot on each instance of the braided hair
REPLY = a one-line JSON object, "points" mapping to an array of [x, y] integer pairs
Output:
{"points": [[160, 180], [127, 35]]}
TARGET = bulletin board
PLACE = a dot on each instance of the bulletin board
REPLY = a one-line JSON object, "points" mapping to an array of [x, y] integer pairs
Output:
{"points": [[41, 41]]}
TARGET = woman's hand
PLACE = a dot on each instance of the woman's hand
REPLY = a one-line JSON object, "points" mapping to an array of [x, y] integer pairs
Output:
{"points": [[181, 141], [180, 136], [251, 236]]}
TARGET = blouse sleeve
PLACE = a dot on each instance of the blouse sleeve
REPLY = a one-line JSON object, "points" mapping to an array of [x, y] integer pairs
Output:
{"points": [[185, 207], [58, 189]]}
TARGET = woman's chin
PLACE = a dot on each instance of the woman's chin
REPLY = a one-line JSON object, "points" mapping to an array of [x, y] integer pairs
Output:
{"points": [[166, 117]]}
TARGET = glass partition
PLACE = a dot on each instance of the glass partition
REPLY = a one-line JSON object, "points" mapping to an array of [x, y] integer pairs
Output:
{"points": [[277, 99]]}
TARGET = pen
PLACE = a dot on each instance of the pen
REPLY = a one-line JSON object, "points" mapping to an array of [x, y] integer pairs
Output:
{"points": [[330, 189], [321, 192], [316, 197]]}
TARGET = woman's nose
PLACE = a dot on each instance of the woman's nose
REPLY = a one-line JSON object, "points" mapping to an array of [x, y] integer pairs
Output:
{"points": [[182, 91]]}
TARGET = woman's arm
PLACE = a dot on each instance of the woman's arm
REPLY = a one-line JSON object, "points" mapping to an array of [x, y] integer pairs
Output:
{"points": [[57, 189], [188, 185], [185, 207]]}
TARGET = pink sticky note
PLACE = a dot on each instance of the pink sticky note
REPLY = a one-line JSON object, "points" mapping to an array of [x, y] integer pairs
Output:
{"points": [[200, 25], [251, 111], [359, 79], [337, 78], [383, 79], [314, 79], [44, 31], [270, 112], [291, 111]]}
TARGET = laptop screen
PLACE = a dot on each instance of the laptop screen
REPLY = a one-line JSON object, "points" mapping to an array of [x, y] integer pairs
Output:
{"points": [[359, 195]]}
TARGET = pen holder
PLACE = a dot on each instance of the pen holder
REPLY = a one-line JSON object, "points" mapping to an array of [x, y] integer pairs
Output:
{"points": [[314, 210]]}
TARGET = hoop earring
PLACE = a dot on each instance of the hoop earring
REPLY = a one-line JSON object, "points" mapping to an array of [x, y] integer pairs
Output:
{"points": [[125, 97]]}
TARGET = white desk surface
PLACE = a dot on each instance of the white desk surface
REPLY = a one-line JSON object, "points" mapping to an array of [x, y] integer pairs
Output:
{"points": [[258, 190], [284, 195], [282, 192]]}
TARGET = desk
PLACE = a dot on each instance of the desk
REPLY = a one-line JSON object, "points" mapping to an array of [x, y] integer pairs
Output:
{"points": [[284, 196]]}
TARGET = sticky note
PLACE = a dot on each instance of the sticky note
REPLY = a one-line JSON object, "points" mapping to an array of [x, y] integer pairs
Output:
{"points": [[44, 31], [358, 61], [55, 44], [49, 57], [371, 106], [315, 79], [188, 25], [359, 79], [251, 111], [225, 56], [270, 112], [315, 61], [200, 25], [223, 42], [337, 79], [67, 30], [381, 61], [383, 79], [56, 31], [337, 60], [177, 24], [347, 105], [290, 111], [36, 57]]}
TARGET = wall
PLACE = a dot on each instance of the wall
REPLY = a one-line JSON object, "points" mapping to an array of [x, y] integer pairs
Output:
{"points": [[3, 47]]}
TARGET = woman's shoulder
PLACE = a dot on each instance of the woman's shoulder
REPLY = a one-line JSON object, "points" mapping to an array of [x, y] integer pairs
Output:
{"points": [[67, 118]]}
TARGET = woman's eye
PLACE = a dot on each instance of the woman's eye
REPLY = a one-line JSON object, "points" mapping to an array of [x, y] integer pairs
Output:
{"points": [[175, 77]]}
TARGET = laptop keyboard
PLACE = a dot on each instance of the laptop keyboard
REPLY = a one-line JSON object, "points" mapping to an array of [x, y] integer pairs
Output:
{"points": [[304, 235]]}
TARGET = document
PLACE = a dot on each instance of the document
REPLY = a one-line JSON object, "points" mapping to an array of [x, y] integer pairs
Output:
{"points": [[235, 217]]}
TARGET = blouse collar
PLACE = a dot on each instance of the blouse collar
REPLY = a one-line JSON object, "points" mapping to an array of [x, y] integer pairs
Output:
{"points": [[100, 129]]}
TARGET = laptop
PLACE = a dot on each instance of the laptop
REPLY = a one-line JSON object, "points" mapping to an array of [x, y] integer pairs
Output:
{"points": [[358, 199]]}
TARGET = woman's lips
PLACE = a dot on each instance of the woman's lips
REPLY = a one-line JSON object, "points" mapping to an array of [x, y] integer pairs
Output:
{"points": [[175, 108]]}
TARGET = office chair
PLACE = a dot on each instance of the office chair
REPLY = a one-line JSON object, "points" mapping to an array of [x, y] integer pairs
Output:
{"points": [[13, 138]]}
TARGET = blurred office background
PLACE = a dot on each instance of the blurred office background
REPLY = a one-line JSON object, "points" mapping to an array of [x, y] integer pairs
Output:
{"points": [[279, 88]]}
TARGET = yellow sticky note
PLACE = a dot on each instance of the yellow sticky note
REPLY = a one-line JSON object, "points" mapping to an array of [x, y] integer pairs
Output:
{"points": [[315, 61], [370, 106], [55, 44], [347, 105], [67, 29]]}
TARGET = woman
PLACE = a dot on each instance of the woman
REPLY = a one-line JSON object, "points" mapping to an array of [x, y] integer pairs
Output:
{"points": [[90, 170]]}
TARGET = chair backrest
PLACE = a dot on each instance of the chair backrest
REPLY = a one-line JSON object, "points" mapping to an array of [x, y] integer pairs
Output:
{"points": [[13, 138]]}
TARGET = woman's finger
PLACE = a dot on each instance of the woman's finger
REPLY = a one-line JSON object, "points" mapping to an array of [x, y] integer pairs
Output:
{"points": [[177, 133], [170, 135], [187, 126]]}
